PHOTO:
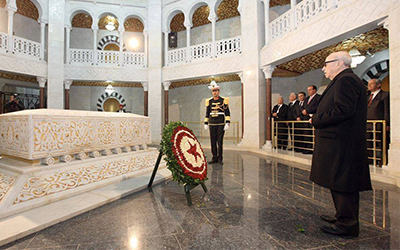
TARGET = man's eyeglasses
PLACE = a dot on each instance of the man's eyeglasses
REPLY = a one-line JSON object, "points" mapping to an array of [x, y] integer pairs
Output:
{"points": [[325, 63]]}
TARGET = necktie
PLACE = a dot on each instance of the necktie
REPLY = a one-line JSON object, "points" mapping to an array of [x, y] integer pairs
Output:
{"points": [[371, 96], [309, 100]]}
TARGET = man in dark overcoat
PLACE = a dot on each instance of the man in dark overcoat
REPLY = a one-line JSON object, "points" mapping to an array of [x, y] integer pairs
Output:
{"points": [[340, 154], [294, 114]]}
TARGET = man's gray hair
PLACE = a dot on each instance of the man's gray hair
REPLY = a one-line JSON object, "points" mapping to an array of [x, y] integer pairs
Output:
{"points": [[343, 56]]}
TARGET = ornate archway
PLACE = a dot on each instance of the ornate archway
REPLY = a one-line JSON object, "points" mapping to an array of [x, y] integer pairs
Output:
{"points": [[110, 39], [110, 99]]}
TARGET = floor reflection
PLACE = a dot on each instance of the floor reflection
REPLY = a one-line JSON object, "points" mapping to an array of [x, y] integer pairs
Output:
{"points": [[252, 203]]}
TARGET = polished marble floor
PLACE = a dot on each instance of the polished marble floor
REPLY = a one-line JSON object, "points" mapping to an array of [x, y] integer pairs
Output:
{"points": [[252, 203]]}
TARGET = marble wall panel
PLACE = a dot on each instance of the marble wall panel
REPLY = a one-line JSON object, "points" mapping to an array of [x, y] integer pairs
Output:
{"points": [[85, 98], [188, 103], [3, 20], [26, 28], [223, 29]]}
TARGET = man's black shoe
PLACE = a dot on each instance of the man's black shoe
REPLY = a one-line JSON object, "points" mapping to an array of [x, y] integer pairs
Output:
{"points": [[212, 162], [327, 218], [352, 231], [220, 163]]}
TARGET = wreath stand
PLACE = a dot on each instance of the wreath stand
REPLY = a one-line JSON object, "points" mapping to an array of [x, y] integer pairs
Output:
{"points": [[186, 187]]}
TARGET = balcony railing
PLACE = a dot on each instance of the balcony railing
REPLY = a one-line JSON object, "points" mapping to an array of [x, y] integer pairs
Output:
{"points": [[81, 56], [300, 136], [280, 26], [304, 11], [228, 46], [106, 58], [310, 8], [3, 41], [26, 47], [20, 46], [204, 51]]}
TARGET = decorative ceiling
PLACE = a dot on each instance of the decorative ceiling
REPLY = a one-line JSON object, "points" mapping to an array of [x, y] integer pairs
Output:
{"points": [[134, 25], [372, 42], [205, 81], [16, 77], [106, 19], [200, 16], [105, 84], [273, 3], [28, 9], [228, 9], [82, 20], [177, 23]]}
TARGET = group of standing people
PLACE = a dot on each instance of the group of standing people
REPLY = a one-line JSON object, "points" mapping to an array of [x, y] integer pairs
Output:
{"points": [[13, 105], [299, 108]]}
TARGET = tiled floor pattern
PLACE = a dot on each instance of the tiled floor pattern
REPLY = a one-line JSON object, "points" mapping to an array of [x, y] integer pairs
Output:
{"points": [[252, 203]]}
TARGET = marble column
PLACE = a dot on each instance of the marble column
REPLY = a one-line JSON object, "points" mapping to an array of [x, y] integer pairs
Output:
{"points": [[188, 26], [166, 47], [55, 66], [146, 47], [213, 19], [121, 45], [393, 25], [42, 38], [242, 100], [251, 17], [266, 21], [155, 68], [166, 101], [67, 86], [95, 29], [293, 19], [68, 44], [268, 70], [10, 42], [146, 98], [42, 85]]}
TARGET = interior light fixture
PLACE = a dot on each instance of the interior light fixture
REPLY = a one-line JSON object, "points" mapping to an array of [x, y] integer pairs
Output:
{"points": [[110, 26], [133, 43], [356, 57], [110, 89]]}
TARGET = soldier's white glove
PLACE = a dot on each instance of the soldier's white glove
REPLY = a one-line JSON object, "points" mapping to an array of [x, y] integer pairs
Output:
{"points": [[226, 126], [205, 127]]}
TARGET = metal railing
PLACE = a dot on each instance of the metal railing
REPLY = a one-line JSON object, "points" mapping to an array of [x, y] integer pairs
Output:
{"points": [[300, 136], [112, 58], [232, 134]]}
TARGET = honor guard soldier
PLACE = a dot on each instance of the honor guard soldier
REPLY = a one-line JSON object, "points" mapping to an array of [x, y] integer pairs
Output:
{"points": [[218, 120]]}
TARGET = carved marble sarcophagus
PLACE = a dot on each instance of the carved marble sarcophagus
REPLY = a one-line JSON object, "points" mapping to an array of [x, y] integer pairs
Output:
{"points": [[45, 134]]}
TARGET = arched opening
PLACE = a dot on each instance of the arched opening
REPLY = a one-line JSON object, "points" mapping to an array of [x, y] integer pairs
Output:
{"points": [[26, 20], [133, 36], [81, 33], [108, 22], [177, 25], [228, 23], [199, 20]]}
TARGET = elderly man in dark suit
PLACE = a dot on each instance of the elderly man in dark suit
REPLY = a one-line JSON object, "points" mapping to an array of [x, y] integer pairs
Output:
{"points": [[340, 154], [309, 109], [378, 109], [294, 114], [279, 113]]}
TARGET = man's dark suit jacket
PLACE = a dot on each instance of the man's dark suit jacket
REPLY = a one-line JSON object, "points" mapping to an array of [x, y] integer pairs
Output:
{"points": [[340, 153], [294, 111], [311, 107], [283, 111], [379, 108]]}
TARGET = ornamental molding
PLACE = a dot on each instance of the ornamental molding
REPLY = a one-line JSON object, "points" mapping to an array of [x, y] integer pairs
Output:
{"points": [[6, 182], [40, 186]]}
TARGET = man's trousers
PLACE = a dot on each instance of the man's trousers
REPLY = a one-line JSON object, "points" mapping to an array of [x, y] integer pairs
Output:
{"points": [[347, 207], [217, 139]]}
